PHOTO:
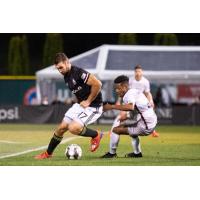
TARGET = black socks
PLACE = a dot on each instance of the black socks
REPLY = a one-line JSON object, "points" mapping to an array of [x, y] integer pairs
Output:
{"points": [[86, 132], [55, 140]]}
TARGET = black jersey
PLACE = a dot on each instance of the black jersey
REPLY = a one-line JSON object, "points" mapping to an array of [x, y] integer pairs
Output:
{"points": [[76, 79]]}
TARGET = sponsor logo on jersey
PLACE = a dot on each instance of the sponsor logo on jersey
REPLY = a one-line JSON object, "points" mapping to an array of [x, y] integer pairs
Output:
{"points": [[78, 89], [73, 81]]}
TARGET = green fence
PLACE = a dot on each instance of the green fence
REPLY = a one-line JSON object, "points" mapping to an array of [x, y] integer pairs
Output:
{"points": [[17, 90]]}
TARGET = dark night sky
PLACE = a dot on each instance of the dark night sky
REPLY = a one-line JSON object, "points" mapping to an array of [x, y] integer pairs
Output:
{"points": [[76, 43]]}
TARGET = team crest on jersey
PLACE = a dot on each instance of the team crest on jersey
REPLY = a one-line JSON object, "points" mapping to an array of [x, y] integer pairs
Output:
{"points": [[73, 81]]}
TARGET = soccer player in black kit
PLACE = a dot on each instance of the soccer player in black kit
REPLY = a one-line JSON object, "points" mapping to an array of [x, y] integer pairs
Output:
{"points": [[87, 89]]}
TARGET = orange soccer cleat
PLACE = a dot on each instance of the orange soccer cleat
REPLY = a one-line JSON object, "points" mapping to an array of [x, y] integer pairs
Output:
{"points": [[42, 156], [155, 134], [95, 142]]}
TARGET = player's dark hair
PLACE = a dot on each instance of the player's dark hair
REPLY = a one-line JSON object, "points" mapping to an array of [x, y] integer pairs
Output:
{"points": [[60, 57], [138, 67], [121, 79]]}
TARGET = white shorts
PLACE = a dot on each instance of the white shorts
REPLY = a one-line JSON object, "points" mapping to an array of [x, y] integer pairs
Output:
{"points": [[117, 122], [82, 115], [139, 129]]}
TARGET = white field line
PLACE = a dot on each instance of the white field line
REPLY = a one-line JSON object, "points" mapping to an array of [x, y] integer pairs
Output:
{"points": [[36, 149], [11, 142]]}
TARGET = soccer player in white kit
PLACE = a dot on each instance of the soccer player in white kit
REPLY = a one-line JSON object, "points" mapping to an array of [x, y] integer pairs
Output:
{"points": [[133, 99], [140, 83]]}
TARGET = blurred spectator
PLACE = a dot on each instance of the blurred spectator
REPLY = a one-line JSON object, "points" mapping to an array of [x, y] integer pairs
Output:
{"points": [[196, 101], [163, 97], [45, 101], [70, 100], [56, 101]]}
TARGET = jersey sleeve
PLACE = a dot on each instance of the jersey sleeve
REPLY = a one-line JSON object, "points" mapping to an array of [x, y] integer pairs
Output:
{"points": [[146, 86], [130, 97], [83, 75]]}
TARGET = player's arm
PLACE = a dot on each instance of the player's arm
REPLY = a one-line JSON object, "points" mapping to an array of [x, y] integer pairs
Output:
{"points": [[148, 94], [95, 89], [125, 107], [149, 97]]}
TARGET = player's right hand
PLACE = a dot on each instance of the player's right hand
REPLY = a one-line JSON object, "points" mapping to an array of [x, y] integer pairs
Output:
{"points": [[84, 104]]}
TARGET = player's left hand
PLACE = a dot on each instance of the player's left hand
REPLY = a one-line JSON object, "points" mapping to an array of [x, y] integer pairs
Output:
{"points": [[85, 103], [107, 107]]}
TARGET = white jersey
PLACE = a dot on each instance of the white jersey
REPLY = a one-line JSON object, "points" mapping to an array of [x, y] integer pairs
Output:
{"points": [[142, 85], [142, 105]]}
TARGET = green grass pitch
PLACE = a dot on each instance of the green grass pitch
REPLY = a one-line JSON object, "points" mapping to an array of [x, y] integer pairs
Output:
{"points": [[176, 146]]}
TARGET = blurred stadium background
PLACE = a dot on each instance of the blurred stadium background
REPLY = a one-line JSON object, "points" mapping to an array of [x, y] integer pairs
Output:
{"points": [[27, 80], [33, 92]]}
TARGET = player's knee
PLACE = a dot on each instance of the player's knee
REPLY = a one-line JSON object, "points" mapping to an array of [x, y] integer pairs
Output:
{"points": [[61, 130], [75, 128]]}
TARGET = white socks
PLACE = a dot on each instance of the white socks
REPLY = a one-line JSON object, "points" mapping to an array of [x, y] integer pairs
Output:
{"points": [[114, 138], [136, 145]]}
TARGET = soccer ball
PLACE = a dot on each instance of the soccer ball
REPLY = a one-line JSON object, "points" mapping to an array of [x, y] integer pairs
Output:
{"points": [[73, 152]]}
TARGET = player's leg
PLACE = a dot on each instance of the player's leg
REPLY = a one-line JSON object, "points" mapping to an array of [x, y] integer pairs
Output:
{"points": [[114, 137], [58, 134], [118, 130], [55, 141], [78, 128], [79, 125], [136, 144], [135, 131], [57, 137], [137, 152], [114, 140], [82, 130]]}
